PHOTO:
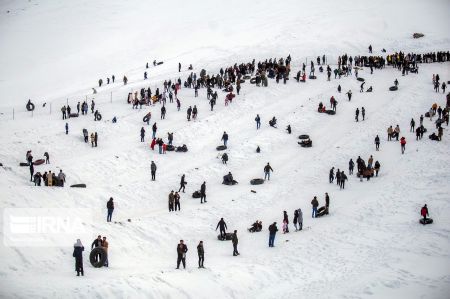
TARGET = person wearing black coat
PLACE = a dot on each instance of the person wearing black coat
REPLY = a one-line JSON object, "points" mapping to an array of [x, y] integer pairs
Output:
{"points": [[377, 143], [201, 254], [97, 243], [110, 207], [224, 158], [331, 176], [182, 183], [235, 241], [203, 192], [272, 233], [78, 249], [327, 203], [181, 254], [223, 227], [31, 171], [142, 134], [351, 165], [343, 179]]}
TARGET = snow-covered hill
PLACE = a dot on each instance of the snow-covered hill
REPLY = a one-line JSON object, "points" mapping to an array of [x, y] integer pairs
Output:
{"points": [[371, 244]]}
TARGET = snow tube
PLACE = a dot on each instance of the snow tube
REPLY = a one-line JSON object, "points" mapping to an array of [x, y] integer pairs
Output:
{"points": [[73, 115], [249, 77], [196, 194], [312, 77], [303, 136], [427, 221], [360, 79], [257, 182], [30, 106], [181, 149], [159, 63], [78, 186], [97, 257], [330, 112], [39, 162], [98, 117], [321, 212], [427, 114], [146, 117], [393, 88], [234, 182], [221, 148], [228, 237], [23, 164], [305, 143], [170, 148], [434, 137], [242, 81], [253, 81]]}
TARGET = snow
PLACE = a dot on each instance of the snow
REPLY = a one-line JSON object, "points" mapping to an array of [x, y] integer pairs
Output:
{"points": [[371, 244]]}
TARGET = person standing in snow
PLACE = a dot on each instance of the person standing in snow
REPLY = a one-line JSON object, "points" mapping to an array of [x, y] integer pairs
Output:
{"points": [[203, 192], [181, 254], [327, 203], [78, 249], [285, 223], [343, 179], [110, 208], [225, 138], [177, 201], [189, 112], [377, 167], [163, 112], [67, 128], [142, 134], [223, 227], [295, 221], [403, 144], [61, 178], [153, 170], [267, 170], [331, 175], [31, 172], [412, 125], [47, 158], [105, 246], [377, 143], [92, 139], [171, 201], [194, 112], [95, 139], [363, 113], [182, 183], [357, 114], [315, 204], [351, 166], [201, 254], [300, 219], [235, 241], [349, 94], [272, 233], [424, 213], [154, 128], [258, 122]]}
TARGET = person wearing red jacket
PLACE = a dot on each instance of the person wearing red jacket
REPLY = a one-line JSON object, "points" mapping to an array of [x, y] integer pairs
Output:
{"points": [[424, 213], [403, 143], [152, 145]]}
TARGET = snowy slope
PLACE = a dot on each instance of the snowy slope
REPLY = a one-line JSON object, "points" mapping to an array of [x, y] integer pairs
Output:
{"points": [[370, 245]]}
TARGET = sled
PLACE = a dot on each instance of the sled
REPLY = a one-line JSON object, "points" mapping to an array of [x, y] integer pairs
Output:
{"points": [[221, 148], [147, 117], [234, 182], [330, 112], [305, 143], [78, 186], [304, 136], [426, 221], [196, 194], [257, 182], [170, 148], [228, 237], [73, 115], [360, 79], [312, 77], [393, 88], [23, 164], [98, 116], [321, 212], [247, 77], [159, 63], [253, 81], [39, 162]]}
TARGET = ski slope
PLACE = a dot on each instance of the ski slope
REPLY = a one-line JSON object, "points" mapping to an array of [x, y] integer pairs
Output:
{"points": [[370, 246]]}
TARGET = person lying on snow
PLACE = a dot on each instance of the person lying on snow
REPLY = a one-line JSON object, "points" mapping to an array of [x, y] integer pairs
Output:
{"points": [[273, 122], [256, 227]]}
